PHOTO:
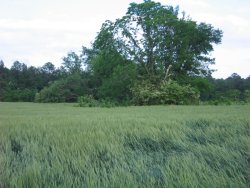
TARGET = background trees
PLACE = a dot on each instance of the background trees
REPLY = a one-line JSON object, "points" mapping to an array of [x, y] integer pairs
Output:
{"points": [[20, 82], [151, 55]]}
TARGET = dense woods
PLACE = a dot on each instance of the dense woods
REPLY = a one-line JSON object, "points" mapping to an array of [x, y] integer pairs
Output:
{"points": [[152, 55], [51, 84]]}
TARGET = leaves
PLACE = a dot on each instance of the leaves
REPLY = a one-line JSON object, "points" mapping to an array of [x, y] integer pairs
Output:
{"points": [[154, 37], [170, 92]]}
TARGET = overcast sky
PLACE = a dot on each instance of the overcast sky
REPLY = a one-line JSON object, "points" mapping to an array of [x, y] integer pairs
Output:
{"points": [[39, 31]]}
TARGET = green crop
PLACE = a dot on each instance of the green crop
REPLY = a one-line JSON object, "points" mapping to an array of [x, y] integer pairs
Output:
{"points": [[59, 145]]}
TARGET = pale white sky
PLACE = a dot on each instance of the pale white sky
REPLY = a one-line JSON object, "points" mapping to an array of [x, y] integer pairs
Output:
{"points": [[38, 31]]}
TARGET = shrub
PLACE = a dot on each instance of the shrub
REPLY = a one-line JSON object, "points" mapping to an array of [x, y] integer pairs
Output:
{"points": [[247, 96], [64, 90], [170, 92], [219, 102], [89, 101]]}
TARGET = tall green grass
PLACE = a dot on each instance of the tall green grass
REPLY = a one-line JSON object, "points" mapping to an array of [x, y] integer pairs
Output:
{"points": [[58, 145]]}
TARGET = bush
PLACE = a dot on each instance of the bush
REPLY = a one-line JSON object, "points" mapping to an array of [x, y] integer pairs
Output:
{"points": [[219, 102], [64, 90], [53, 93], [89, 101], [247, 96], [171, 92]]}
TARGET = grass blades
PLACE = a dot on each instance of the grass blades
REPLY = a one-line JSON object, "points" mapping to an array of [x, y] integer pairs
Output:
{"points": [[58, 145]]}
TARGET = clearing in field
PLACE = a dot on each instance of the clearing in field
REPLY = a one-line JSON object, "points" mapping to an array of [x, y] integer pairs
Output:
{"points": [[59, 145]]}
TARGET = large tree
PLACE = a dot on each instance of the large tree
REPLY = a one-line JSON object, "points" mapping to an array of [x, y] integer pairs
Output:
{"points": [[161, 42], [72, 63], [112, 73]]}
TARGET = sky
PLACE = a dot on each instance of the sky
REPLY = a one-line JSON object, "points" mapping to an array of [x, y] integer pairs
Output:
{"points": [[39, 31]]}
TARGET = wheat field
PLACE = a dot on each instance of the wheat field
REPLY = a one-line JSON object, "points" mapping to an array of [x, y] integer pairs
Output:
{"points": [[60, 145]]}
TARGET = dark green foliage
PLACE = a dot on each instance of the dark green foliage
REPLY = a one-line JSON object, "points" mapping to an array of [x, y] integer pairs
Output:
{"points": [[89, 101], [19, 95], [219, 102], [247, 96], [166, 93], [20, 83], [231, 95], [117, 86], [63, 90], [113, 74], [3, 80], [226, 91], [202, 84]]}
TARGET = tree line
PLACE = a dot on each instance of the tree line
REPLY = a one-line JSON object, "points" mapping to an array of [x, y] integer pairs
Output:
{"points": [[151, 55], [23, 83]]}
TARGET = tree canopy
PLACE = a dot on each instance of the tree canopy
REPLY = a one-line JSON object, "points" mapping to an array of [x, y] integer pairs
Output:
{"points": [[154, 37]]}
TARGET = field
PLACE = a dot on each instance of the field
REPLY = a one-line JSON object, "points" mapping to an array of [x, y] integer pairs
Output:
{"points": [[59, 145]]}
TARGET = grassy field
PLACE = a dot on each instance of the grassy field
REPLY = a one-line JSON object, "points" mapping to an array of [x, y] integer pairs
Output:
{"points": [[59, 145]]}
